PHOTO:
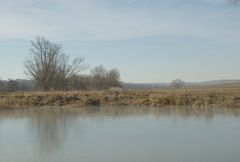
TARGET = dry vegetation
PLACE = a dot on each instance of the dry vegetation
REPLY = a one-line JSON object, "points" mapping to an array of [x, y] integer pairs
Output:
{"points": [[219, 97]]}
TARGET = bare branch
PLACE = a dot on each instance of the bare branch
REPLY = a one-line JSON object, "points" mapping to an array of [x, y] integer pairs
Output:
{"points": [[49, 66]]}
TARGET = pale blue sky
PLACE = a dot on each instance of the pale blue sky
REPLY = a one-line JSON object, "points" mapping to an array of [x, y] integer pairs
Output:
{"points": [[147, 40]]}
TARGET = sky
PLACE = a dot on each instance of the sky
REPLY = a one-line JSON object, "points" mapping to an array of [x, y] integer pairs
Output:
{"points": [[146, 40]]}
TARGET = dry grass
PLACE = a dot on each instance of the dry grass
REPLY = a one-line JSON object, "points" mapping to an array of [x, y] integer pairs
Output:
{"points": [[219, 97]]}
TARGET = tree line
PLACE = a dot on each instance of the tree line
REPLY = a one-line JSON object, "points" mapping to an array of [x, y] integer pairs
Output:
{"points": [[50, 69], [12, 85]]}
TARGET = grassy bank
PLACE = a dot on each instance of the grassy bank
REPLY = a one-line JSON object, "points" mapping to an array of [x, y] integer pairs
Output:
{"points": [[216, 97]]}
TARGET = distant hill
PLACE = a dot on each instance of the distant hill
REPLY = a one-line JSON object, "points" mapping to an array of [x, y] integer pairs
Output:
{"points": [[145, 85], [213, 83], [28, 85]]}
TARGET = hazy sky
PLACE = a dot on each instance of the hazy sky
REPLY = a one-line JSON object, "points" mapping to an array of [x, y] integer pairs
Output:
{"points": [[147, 40]]}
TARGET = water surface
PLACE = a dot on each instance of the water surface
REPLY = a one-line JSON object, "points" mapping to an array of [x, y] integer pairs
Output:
{"points": [[120, 135]]}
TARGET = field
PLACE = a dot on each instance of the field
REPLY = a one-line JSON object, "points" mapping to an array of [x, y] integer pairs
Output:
{"points": [[201, 97]]}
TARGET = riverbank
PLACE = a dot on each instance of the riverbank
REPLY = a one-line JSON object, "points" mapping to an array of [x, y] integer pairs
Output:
{"points": [[217, 97]]}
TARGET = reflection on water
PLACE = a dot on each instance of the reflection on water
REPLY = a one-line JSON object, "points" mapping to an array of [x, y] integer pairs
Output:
{"points": [[119, 134], [49, 130]]}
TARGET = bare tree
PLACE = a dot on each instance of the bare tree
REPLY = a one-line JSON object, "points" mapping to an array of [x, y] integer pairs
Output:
{"points": [[49, 66], [11, 85], [113, 78], [102, 79], [66, 71], [1, 85], [98, 78], [80, 82], [178, 83]]}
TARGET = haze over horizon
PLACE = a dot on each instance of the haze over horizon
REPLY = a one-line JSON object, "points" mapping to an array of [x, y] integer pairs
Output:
{"points": [[148, 41]]}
